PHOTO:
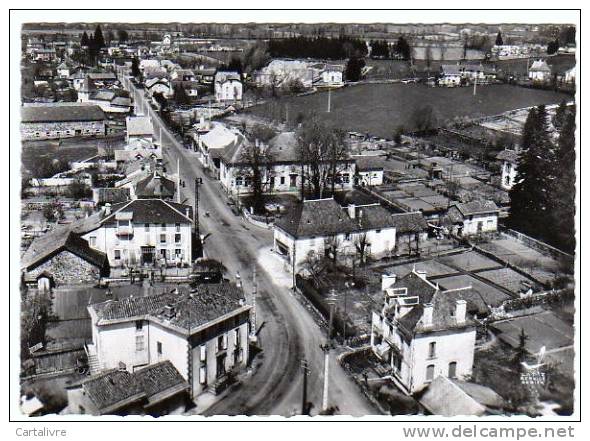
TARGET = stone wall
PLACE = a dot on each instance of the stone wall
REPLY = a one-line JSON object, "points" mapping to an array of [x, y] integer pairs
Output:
{"points": [[67, 268], [57, 130]]}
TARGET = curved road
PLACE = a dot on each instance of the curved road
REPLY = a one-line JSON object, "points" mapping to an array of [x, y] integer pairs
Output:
{"points": [[289, 333]]}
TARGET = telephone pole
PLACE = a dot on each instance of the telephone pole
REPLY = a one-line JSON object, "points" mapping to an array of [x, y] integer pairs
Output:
{"points": [[178, 180], [305, 370], [198, 182], [329, 99]]}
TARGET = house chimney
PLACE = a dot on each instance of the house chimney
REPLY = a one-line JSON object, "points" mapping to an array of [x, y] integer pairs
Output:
{"points": [[427, 314], [187, 212], [351, 211], [122, 366], [387, 280], [107, 209], [169, 312], [460, 311]]}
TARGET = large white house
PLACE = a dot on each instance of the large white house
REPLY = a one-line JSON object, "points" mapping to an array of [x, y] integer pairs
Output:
{"points": [[141, 232], [539, 71], [228, 86], [204, 333], [322, 226], [281, 171], [422, 331]]}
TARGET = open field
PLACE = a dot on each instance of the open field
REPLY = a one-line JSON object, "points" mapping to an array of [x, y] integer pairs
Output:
{"points": [[48, 151], [379, 109]]}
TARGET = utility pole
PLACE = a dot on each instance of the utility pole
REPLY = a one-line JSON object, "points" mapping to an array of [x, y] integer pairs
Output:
{"points": [[326, 348], [293, 267], [253, 314], [305, 370], [178, 179], [198, 181], [329, 99], [475, 85]]}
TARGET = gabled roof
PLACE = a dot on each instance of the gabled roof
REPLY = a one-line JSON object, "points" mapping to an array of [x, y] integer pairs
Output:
{"points": [[54, 242], [112, 195], [477, 207], [223, 76], [191, 310], [139, 125], [62, 112], [449, 397], [155, 186], [114, 390], [219, 137], [153, 211], [540, 66], [320, 217]]}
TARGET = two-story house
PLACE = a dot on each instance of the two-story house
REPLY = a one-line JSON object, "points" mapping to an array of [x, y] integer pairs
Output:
{"points": [[141, 232], [422, 332], [228, 86], [322, 224], [204, 333]]}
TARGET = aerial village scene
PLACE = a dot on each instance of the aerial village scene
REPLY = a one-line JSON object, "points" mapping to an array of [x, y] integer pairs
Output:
{"points": [[297, 219]]}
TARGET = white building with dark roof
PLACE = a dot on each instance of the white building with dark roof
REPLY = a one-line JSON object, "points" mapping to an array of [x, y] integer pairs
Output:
{"points": [[228, 86], [319, 225], [62, 120], [204, 334], [141, 232], [509, 160], [472, 218], [422, 331]]}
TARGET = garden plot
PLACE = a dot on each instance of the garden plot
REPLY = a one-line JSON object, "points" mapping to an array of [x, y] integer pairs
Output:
{"points": [[432, 268], [469, 261], [492, 296], [509, 279], [544, 329]]}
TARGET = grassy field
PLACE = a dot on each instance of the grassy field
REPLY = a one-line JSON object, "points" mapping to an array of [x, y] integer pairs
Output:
{"points": [[379, 109]]}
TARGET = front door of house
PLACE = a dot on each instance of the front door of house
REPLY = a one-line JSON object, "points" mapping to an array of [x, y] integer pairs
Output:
{"points": [[147, 255], [221, 365]]}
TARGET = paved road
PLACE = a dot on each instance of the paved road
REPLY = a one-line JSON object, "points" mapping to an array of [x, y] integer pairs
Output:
{"points": [[289, 333]]}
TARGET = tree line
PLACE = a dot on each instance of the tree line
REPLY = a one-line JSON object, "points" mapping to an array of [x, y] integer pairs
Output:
{"points": [[317, 47], [543, 198], [383, 50]]}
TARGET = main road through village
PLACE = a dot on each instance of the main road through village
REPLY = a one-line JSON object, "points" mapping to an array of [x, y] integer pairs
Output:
{"points": [[288, 334]]}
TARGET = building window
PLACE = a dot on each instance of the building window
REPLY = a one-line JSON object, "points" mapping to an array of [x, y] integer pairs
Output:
{"points": [[282, 180], [92, 241], [139, 325], [430, 372], [453, 369], [178, 238], [203, 353], [163, 227], [139, 343], [117, 254], [178, 228], [432, 350], [162, 238], [159, 348], [203, 374], [147, 227], [178, 252]]}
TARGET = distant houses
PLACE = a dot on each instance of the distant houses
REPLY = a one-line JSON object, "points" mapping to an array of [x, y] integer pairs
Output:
{"points": [[539, 71], [473, 218], [228, 86]]}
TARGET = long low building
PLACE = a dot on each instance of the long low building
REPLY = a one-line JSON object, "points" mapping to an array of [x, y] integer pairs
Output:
{"points": [[62, 120]]}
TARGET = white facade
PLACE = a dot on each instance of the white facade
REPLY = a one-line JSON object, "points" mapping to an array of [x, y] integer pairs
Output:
{"points": [[481, 223], [508, 175], [381, 242], [201, 357], [332, 77], [228, 90], [417, 362], [370, 177]]}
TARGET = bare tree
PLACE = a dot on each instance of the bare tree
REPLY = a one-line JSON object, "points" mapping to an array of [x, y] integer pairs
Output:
{"points": [[362, 245], [256, 159], [314, 265], [333, 244]]}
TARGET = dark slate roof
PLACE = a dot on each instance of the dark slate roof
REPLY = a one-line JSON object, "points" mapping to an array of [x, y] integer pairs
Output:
{"points": [[158, 379], [444, 397], [54, 242], [374, 217], [412, 222], [61, 113], [155, 186], [112, 390], [153, 211], [320, 217], [194, 309], [369, 163]]}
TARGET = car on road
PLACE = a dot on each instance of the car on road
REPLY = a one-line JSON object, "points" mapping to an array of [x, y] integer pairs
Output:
{"points": [[410, 80]]}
